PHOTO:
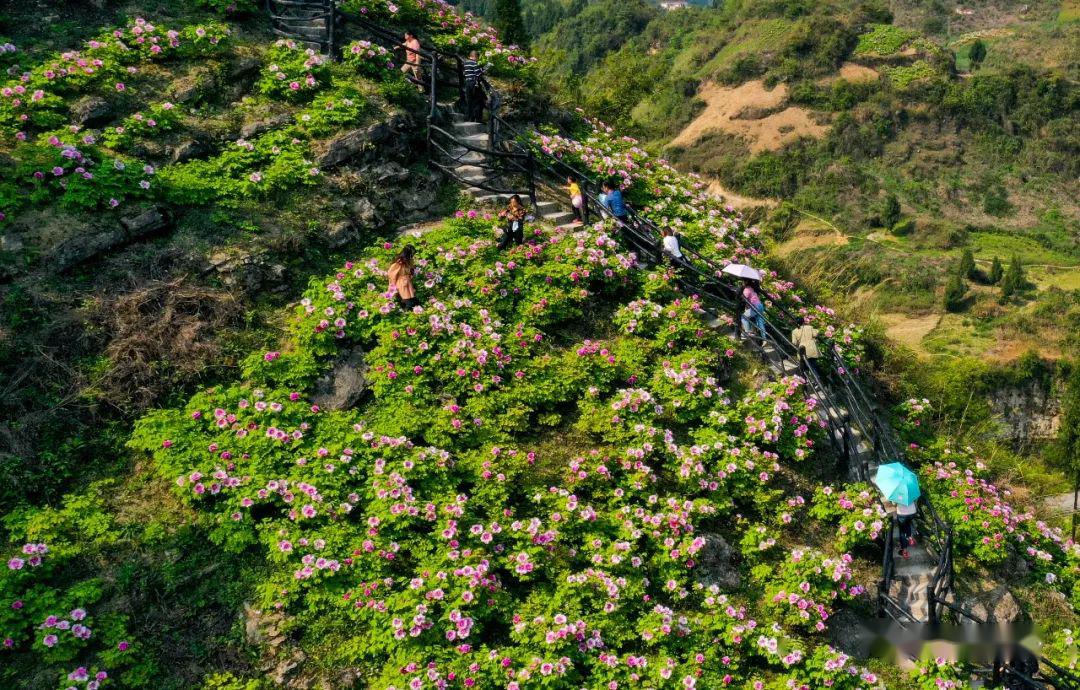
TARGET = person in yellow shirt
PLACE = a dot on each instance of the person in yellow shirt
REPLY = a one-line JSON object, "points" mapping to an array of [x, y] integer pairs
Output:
{"points": [[577, 201]]}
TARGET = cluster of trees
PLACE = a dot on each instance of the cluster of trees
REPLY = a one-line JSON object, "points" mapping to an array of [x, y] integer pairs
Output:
{"points": [[1010, 281]]}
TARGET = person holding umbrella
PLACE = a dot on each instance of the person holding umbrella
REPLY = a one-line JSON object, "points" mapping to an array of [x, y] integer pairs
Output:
{"points": [[900, 486], [755, 307]]}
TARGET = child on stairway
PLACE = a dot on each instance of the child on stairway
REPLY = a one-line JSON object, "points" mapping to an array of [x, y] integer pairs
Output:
{"points": [[577, 201]]}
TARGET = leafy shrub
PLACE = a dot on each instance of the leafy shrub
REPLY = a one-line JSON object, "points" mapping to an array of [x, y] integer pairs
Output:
{"points": [[159, 119], [293, 73], [903, 227], [883, 40]]}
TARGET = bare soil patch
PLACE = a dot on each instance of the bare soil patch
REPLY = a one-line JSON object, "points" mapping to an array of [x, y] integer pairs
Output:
{"points": [[726, 108], [737, 201], [852, 72], [909, 330]]}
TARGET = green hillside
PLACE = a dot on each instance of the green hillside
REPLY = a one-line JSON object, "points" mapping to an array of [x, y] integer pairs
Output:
{"points": [[232, 457]]}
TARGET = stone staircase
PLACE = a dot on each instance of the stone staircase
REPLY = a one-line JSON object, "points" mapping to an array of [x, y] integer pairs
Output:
{"points": [[911, 578], [470, 170]]}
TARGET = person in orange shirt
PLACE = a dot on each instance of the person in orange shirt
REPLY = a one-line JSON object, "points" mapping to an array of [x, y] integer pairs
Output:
{"points": [[400, 276], [412, 57]]}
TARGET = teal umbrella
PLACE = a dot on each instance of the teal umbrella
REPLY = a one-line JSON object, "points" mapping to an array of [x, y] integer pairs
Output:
{"points": [[897, 483]]}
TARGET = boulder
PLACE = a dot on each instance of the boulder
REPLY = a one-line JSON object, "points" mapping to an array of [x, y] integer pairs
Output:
{"points": [[715, 564], [351, 144], [92, 111], [365, 213], [996, 605], [192, 86], [11, 243], [145, 223], [187, 150], [340, 233], [390, 172], [244, 67], [848, 633], [343, 386], [79, 248], [254, 129]]}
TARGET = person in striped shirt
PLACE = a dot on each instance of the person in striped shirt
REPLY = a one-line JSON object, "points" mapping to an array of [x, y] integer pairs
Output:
{"points": [[474, 93]]}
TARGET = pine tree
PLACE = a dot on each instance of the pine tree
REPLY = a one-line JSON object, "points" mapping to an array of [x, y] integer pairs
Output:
{"points": [[996, 271], [976, 54], [955, 290], [1013, 281], [890, 211], [508, 22], [1068, 440], [967, 265]]}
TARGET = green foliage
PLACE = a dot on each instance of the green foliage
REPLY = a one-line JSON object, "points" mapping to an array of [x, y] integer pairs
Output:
{"points": [[966, 268], [1067, 444], [158, 119], [292, 72], [228, 7], [890, 211], [976, 54], [955, 290], [996, 272], [508, 22], [903, 227], [883, 40], [1013, 281]]}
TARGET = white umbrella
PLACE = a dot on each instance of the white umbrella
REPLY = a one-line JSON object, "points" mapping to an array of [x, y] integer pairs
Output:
{"points": [[742, 271]]}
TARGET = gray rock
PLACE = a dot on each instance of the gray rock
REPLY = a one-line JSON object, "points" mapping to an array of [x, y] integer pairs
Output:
{"points": [[996, 605], [365, 213], [147, 222], [244, 67], [715, 563], [187, 150], [191, 87], [92, 111], [11, 243], [850, 635], [254, 129], [343, 386], [81, 248], [389, 172], [285, 667], [340, 234], [351, 144], [420, 197]]}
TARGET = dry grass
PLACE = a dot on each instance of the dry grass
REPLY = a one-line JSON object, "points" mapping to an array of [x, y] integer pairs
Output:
{"points": [[730, 109], [163, 333]]}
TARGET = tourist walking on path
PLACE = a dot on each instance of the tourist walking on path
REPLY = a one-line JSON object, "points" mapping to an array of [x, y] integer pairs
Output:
{"points": [[900, 487], [412, 58], [471, 72], [577, 201], [613, 201], [804, 338], [400, 276], [515, 223], [669, 246], [755, 308], [905, 524]]}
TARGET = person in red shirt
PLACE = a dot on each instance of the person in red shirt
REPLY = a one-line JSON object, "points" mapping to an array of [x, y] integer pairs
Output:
{"points": [[412, 58]]}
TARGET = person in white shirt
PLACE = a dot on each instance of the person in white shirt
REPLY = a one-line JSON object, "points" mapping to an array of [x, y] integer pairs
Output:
{"points": [[670, 246], [905, 522]]}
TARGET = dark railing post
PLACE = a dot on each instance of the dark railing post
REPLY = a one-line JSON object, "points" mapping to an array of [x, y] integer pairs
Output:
{"points": [[530, 167], [434, 112], [331, 25], [584, 202]]}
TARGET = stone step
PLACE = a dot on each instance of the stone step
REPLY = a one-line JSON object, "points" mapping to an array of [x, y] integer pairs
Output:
{"points": [[560, 218], [547, 206], [465, 129], [476, 140], [469, 170]]}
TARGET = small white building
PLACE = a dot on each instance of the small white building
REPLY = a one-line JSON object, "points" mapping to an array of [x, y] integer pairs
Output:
{"points": [[674, 5]]}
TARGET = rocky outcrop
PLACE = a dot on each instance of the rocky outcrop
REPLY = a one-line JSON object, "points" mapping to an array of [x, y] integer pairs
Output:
{"points": [[350, 145], [80, 248], [254, 129], [1030, 412], [249, 270], [92, 111], [996, 605], [716, 563], [345, 384]]}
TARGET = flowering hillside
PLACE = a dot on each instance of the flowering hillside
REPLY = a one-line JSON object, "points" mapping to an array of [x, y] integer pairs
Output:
{"points": [[553, 473]]}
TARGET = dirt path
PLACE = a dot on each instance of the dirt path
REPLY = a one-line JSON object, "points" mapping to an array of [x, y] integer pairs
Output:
{"points": [[751, 112], [909, 330], [737, 201]]}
